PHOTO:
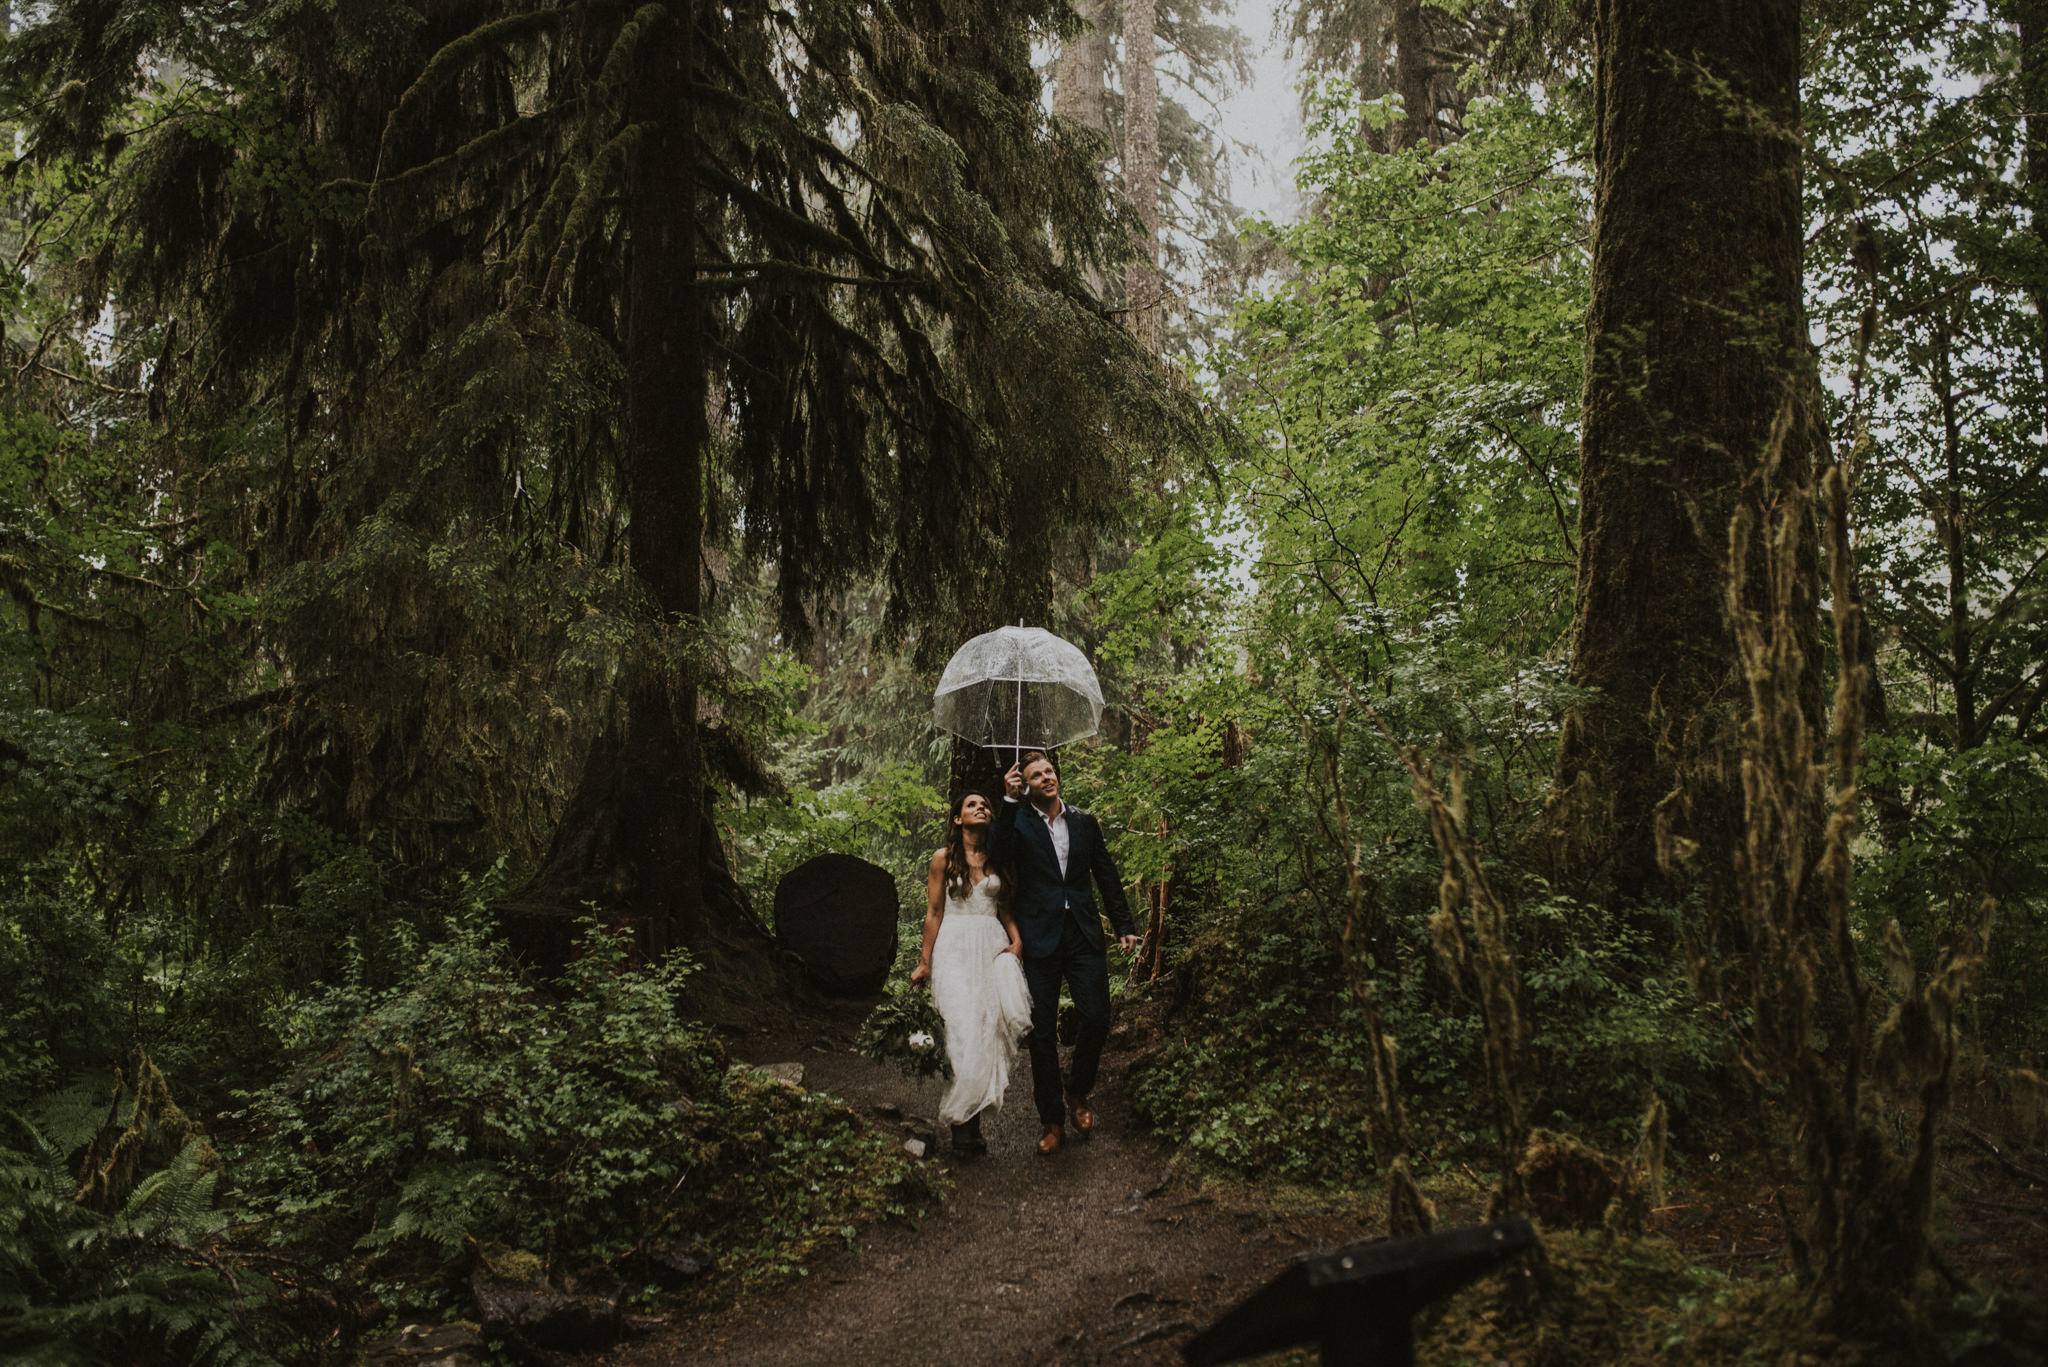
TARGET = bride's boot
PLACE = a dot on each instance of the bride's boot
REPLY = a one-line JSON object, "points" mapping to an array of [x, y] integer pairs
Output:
{"points": [[967, 1140]]}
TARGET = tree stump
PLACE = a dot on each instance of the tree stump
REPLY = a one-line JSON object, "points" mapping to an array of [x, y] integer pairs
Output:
{"points": [[838, 915]]}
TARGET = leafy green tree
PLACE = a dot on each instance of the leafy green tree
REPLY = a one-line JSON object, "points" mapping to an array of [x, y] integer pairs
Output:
{"points": [[1929, 270], [1405, 511], [1417, 381]]}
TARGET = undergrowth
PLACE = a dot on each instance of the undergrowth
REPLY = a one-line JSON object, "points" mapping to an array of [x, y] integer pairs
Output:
{"points": [[1274, 1079], [1643, 1301], [459, 1107], [449, 1111]]}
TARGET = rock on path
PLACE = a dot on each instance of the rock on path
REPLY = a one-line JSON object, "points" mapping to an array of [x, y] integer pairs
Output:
{"points": [[1096, 1255]]}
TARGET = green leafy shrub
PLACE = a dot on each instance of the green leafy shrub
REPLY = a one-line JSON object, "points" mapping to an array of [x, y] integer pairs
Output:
{"points": [[1270, 1074], [1612, 1015], [460, 1107], [784, 1172], [1952, 828]]}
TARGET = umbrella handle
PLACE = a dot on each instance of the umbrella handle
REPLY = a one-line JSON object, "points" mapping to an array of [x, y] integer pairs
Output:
{"points": [[1018, 749]]}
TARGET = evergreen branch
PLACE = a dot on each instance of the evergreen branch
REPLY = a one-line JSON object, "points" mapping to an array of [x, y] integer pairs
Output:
{"points": [[457, 54], [849, 222], [254, 702], [36, 362], [780, 218], [139, 582], [770, 119], [607, 168], [472, 158], [526, 256], [616, 74], [32, 605], [880, 231], [762, 271]]}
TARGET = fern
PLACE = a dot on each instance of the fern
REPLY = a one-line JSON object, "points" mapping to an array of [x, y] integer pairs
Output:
{"points": [[178, 1201], [72, 1118], [80, 1285]]}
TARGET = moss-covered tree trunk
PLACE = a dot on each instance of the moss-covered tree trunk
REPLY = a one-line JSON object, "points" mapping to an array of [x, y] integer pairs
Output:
{"points": [[1697, 400], [631, 839], [660, 798]]}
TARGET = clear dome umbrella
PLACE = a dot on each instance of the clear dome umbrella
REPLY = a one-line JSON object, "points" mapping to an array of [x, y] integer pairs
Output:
{"points": [[1018, 688]]}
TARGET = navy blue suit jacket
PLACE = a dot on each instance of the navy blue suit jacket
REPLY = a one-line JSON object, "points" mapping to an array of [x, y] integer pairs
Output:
{"points": [[1039, 896]]}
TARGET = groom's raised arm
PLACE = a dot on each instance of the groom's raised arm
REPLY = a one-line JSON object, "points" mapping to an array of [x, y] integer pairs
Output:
{"points": [[1110, 883], [1002, 832]]}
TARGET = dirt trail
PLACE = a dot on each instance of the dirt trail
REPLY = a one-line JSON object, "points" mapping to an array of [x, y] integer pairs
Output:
{"points": [[1095, 1255]]}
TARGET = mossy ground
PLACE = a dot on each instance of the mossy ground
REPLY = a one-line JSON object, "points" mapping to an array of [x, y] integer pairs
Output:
{"points": [[1599, 1300]]}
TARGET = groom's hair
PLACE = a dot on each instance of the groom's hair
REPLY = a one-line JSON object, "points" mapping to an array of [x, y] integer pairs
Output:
{"points": [[1032, 757]]}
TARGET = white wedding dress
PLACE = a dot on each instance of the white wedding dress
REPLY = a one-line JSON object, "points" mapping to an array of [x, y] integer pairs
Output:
{"points": [[980, 992]]}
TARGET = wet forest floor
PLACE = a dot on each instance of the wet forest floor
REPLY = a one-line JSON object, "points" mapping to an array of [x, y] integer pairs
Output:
{"points": [[1104, 1252], [1110, 1253]]}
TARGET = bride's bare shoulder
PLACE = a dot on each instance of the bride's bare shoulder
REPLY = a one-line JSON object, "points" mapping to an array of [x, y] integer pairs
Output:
{"points": [[939, 859]]}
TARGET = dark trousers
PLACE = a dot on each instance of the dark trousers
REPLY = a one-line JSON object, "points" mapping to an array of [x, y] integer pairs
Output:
{"points": [[1085, 970]]}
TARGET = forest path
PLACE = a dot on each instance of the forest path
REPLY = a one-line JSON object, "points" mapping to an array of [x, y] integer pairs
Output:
{"points": [[1099, 1254]]}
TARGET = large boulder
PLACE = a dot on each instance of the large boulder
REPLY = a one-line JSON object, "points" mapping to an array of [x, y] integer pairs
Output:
{"points": [[838, 915]]}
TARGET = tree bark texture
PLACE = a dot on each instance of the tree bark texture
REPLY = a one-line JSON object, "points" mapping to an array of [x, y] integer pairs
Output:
{"points": [[661, 793], [1411, 78], [1080, 90], [1081, 93], [1697, 402], [631, 837], [1143, 285], [2032, 17]]}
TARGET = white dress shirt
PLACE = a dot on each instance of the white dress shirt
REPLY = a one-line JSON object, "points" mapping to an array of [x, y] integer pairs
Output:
{"points": [[1056, 827], [1056, 824]]}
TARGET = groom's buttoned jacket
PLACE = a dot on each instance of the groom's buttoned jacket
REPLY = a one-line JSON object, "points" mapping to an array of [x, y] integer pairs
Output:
{"points": [[1042, 898]]}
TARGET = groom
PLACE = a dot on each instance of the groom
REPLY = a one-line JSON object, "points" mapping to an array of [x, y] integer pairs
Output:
{"points": [[1050, 850]]}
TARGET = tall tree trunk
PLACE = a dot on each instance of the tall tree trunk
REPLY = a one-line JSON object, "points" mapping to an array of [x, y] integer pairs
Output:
{"points": [[1952, 526], [631, 837], [1081, 92], [2032, 17], [661, 795], [1697, 399], [1412, 77], [1080, 77], [1143, 286]]}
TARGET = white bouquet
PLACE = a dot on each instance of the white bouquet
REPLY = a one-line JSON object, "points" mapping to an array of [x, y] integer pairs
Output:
{"points": [[905, 1029]]}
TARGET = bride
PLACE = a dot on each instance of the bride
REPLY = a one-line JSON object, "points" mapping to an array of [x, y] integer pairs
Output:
{"points": [[971, 959]]}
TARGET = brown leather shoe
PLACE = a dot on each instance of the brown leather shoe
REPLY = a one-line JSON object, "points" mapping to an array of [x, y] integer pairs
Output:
{"points": [[1078, 1112], [1049, 1142]]}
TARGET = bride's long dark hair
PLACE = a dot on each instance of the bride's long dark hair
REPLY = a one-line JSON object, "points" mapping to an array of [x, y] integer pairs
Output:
{"points": [[959, 879]]}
